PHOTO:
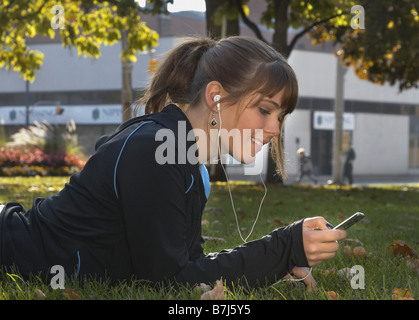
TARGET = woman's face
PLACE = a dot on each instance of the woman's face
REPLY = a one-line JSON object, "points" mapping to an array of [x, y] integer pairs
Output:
{"points": [[247, 126]]}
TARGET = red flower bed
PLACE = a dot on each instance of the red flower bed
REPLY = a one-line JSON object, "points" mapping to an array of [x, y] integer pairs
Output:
{"points": [[27, 162]]}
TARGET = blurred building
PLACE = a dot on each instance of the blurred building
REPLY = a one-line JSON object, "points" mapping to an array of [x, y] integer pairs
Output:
{"points": [[380, 124]]}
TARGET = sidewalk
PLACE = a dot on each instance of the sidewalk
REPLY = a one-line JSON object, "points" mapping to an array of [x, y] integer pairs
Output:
{"points": [[361, 179]]}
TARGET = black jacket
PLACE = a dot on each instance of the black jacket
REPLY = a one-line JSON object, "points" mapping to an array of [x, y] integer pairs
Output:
{"points": [[125, 215]]}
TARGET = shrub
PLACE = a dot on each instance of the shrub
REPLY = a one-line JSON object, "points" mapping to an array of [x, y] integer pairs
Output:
{"points": [[42, 149]]}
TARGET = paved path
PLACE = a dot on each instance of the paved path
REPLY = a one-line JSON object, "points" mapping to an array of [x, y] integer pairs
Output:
{"points": [[362, 180]]}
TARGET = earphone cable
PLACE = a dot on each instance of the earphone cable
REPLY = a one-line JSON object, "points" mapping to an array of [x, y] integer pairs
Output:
{"points": [[229, 189]]}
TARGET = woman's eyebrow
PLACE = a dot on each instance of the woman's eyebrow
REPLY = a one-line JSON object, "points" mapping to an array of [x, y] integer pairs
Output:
{"points": [[276, 105]]}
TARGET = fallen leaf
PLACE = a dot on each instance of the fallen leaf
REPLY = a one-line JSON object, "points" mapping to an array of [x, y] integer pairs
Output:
{"points": [[332, 295], [341, 216], [217, 293], [39, 294], [213, 239], [359, 252], [326, 272], [401, 294], [240, 213], [71, 294], [277, 223], [400, 248], [347, 251], [412, 263]]}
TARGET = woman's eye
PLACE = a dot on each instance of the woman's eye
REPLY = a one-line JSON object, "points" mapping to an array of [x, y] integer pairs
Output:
{"points": [[264, 111]]}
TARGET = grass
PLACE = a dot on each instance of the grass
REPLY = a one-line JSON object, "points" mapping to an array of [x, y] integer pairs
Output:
{"points": [[391, 215]]}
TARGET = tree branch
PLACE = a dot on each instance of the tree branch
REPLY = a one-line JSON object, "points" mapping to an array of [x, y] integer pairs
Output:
{"points": [[253, 26], [304, 31]]}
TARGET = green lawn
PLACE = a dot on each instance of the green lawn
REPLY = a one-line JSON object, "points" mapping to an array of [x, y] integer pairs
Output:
{"points": [[391, 226]]}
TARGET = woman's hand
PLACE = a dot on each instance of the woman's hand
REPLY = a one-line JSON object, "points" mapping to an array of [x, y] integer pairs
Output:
{"points": [[320, 245]]}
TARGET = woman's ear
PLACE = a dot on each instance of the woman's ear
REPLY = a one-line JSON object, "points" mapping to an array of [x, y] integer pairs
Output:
{"points": [[213, 89]]}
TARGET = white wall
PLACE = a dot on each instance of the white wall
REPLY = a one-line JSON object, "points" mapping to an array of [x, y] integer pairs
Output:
{"points": [[381, 143], [64, 70], [297, 124], [316, 74]]}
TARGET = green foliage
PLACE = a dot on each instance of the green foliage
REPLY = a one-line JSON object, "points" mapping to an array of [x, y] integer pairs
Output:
{"points": [[87, 26], [46, 137], [386, 51]]}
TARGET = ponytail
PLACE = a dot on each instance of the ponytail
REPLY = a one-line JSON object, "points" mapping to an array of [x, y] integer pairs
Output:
{"points": [[172, 83]]}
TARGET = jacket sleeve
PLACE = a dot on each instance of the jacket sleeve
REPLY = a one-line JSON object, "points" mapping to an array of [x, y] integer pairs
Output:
{"points": [[154, 209], [255, 263]]}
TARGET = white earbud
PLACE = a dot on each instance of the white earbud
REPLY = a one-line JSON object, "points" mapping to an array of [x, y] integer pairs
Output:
{"points": [[217, 98]]}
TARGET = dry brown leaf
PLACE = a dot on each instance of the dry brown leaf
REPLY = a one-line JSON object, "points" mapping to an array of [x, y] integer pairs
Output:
{"points": [[71, 294], [332, 295], [277, 223], [341, 216], [359, 252], [400, 248], [213, 239], [39, 294], [347, 251], [217, 293], [326, 272], [402, 294], [412, 263]]}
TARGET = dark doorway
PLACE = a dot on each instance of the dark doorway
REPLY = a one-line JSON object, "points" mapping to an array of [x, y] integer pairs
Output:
{"points": [[322, 151]]}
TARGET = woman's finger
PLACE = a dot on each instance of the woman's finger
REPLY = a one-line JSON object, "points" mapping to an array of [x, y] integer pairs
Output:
{"points": [[324, 235]]}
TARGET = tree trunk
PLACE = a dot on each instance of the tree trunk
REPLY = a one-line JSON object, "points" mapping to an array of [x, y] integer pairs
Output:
{"points": [[213, 30], [280, 37], [280, 44], [126, 92], [337, 138]]}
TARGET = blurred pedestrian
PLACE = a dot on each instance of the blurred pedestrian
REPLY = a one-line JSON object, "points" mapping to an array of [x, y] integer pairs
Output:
{"points": [[306, 166], [348, 168]]}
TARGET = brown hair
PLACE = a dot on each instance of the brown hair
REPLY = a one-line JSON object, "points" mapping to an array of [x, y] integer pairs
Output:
{"points": [[242, 65]]}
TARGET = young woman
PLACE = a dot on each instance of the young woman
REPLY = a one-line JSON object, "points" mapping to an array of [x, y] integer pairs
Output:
{"points": [[135, 209]]}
